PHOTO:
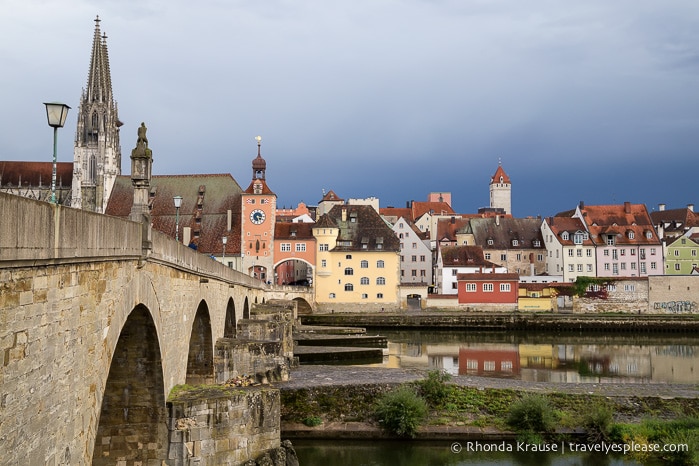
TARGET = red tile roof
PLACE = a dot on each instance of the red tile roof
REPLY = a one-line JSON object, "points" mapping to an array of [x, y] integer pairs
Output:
{"points": [[35, 173]]}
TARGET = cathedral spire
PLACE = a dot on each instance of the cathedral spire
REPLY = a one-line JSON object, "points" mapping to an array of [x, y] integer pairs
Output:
{"points": [[97, 153]]}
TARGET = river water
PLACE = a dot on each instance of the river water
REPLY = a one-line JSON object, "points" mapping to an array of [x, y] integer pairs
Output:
{"points": [[541, 357], [548, 357]]}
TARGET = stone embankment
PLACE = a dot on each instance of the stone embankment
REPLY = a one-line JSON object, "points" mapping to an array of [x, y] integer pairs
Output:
{"points": [[510, 321], [347, 381]]}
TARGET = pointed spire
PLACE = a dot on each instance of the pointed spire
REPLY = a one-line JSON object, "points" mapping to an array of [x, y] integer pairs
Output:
{"points": [[99, 82]]}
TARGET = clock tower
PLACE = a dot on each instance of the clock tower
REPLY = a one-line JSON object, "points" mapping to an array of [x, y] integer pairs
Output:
{"points": [[257, 222]]}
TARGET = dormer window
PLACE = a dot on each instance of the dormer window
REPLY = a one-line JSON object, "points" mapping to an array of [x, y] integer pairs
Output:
{"points": [[631, 234], [578, 237], [565, 236], [611, 240], [490, 242], [649, 234], [515, 242]]}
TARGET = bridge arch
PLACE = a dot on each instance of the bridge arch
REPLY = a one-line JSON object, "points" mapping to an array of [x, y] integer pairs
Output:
{"points": [[246, 309], [287, 277], [231, 321], [133, 404], [200, 360]]}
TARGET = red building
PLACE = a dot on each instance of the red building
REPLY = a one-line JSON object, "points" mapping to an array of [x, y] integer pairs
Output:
{"points": [[500, 362], [489, 289]]}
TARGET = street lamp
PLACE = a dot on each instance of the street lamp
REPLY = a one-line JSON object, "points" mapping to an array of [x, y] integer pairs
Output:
{"points": [[178, 204], [225, 240], [56, 113]]}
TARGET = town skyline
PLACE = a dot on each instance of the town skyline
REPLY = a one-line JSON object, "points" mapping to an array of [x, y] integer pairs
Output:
{"points": [[594, 103]]}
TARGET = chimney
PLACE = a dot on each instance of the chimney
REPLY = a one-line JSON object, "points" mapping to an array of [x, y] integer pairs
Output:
{"points": [[453, 220], [627, 207], [497, 220], [661, 207], [690, 207], [582, 204], [186, 235], [550, 221], [229, 220], [344, 214]]}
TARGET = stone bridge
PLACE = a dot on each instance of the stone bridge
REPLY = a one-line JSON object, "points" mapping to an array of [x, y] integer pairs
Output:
{"points": [[98, 324]]}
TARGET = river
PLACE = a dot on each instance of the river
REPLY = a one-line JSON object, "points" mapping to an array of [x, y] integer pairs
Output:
{"points": [[548, 357]]}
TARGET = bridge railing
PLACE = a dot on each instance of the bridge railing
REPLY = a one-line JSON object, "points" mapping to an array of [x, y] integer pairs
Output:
{"points": [[33, 232], [167, 250]]}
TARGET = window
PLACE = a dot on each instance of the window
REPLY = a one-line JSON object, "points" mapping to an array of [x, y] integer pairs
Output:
{"points": [[578, 238], [643, 267], [540, 257], [652, 251], [580, 267], [623, 266], [490, 242], [606, 266], [519, 256], [503, 257], [588, 252], [379, 264], [348, 256], [633, 252], [323, 263], [454, 272], [364, 264], [570, 253], [504, 287], [506, 366], [537, 243], [615, 269], [615, 255], [454, 285], [622, 252], [633, 266], [470, 287], [579, 253], [422, 273], [349, 287], [380, 281], [571, 268], [413, 258], [414, 245], [422, 258], [414, 273], [677, 266], [676, 252], [285, 247], [488, 365], [606, 252], [300, 247], [331, 296], [589, 267], [488, 287], [649, 234], [515, 242], [654, 266], [349, 271], [365, 280], [487, 256], [632, 235], [323, 247], [628, 287], [472, 364], [694, 253], [379, 295], [365, 296], [565, 236]]}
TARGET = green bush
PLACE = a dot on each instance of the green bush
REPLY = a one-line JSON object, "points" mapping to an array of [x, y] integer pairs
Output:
{"points": [[401, 411], [532, 413], [597, 422], [312, 421], [434, 388]]}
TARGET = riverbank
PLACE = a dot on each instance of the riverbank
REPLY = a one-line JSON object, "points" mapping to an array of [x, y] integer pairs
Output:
{"points": [[336, 402], [509, 321]]}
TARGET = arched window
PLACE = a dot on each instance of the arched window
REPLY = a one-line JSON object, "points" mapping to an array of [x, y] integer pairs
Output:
{"points": [[349, 271], [365, 264], [380, 281], [364, 281], [379, 264], [349, 287]]}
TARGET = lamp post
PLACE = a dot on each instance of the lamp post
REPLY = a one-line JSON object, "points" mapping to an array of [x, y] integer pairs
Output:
{"points": [[225, 240], [56, 113], [178, 204]]}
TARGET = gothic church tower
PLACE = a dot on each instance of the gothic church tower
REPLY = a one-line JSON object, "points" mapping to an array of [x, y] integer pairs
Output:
{"points": [[97, 153], [501, 190]]}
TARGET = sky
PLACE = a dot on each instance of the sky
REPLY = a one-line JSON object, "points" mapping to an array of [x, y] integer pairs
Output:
{"points": [[594, 100]]}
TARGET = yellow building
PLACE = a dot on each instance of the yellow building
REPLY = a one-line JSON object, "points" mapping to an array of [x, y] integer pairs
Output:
{"points": [[357, 262]]}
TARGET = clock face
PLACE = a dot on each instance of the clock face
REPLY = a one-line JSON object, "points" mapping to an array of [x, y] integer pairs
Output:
{"points": [[257, 216]]}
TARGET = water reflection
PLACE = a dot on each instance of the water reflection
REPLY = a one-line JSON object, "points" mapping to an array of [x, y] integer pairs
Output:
{"points": [[401, 453], [541, 357]]}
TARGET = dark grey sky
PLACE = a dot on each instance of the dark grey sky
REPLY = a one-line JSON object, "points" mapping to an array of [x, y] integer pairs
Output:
{"points": [[595, 100]]}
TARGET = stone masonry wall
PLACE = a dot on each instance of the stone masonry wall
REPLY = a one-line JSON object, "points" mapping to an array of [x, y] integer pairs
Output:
{"points": [[214, 426]]}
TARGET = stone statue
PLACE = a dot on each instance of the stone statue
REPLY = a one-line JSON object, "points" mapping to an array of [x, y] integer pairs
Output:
{"points": [[142, 135]]}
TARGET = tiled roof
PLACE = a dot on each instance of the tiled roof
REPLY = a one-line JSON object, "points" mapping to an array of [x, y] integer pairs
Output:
{"points": [[35, 173], [448, 227], [499, 233], [629, 222], [487, 276], [396, 212], [293, 230], [265, 189], [331, 196], [218, 193], [463, 256], [500, 173], [675, 219], [325, 221], [362, 230], [571, 225], [435, 208]]}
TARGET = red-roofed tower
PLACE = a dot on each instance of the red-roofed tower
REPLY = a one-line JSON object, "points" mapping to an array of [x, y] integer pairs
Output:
{"points": [[501, 190], [257, 217]]}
